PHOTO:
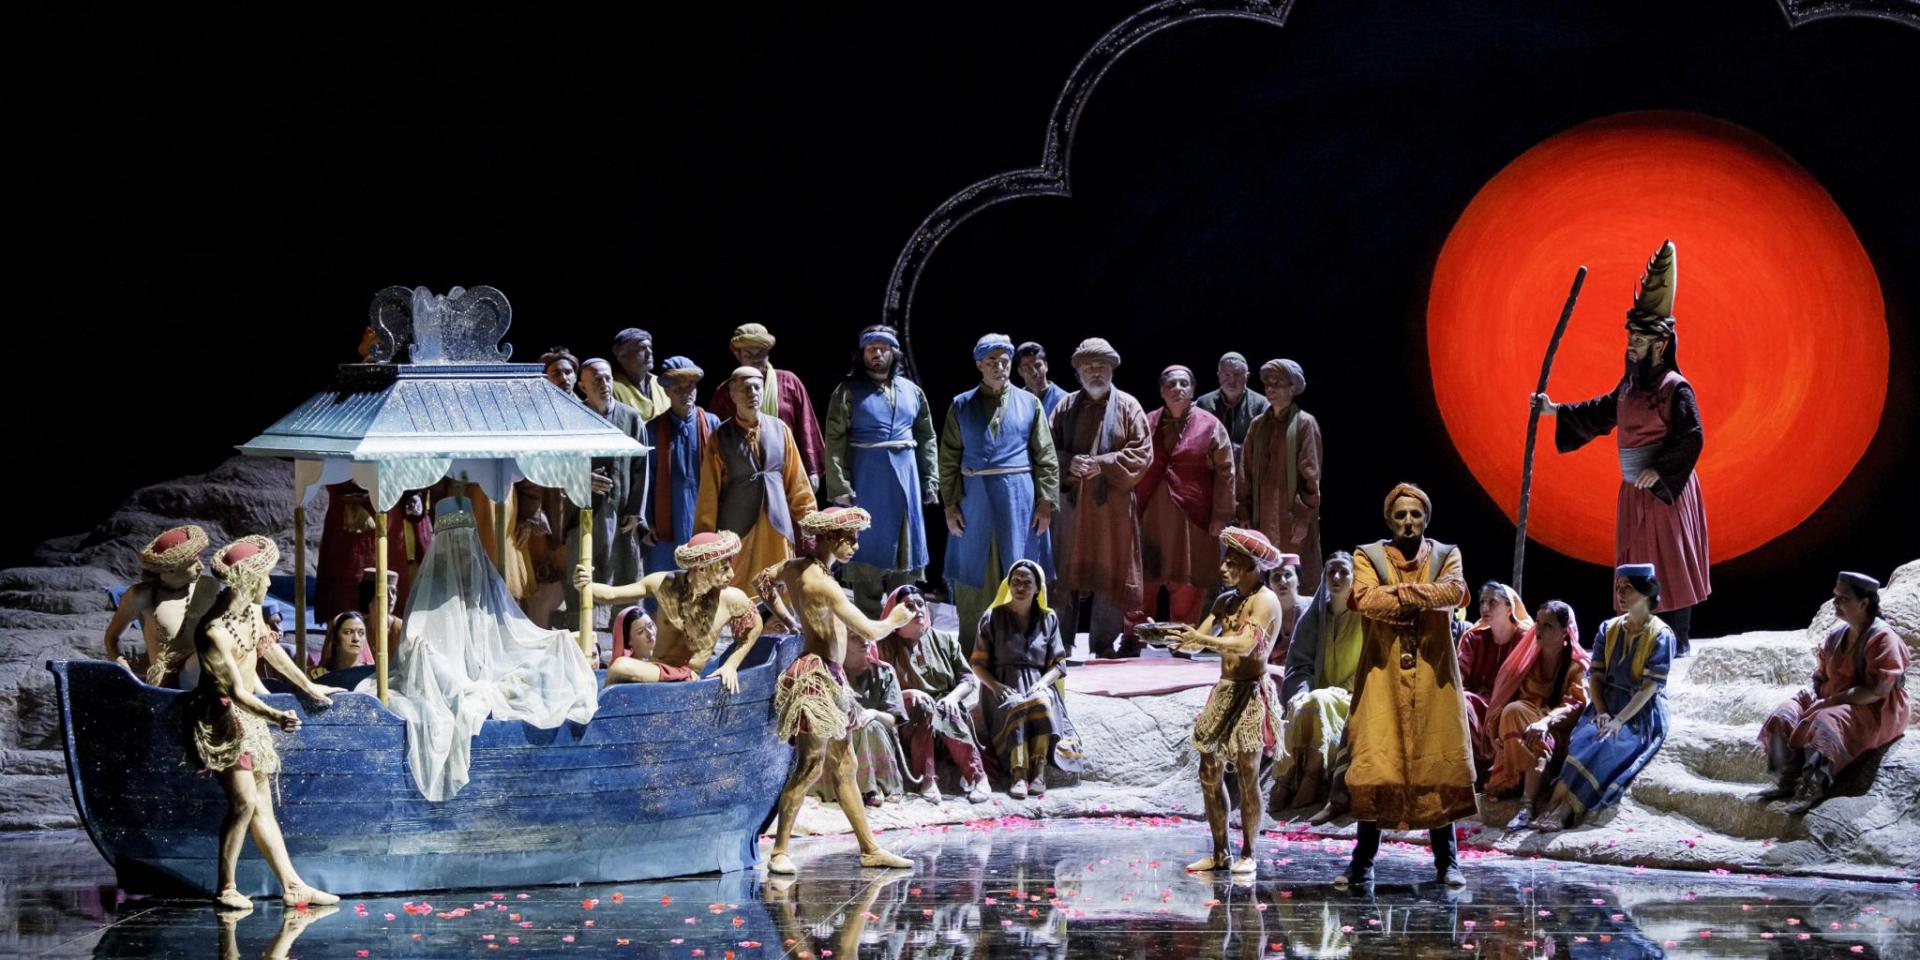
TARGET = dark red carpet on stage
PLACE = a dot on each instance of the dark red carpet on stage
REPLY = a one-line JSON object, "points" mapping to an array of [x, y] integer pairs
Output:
{"points": [[1782, 328]]}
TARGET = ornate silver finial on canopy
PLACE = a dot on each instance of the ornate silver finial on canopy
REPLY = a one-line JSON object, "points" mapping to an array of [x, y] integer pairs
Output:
{"points": [[464, 325]]}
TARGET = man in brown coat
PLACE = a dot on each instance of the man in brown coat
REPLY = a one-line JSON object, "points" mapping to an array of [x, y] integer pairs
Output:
{"points": [[1103, 441]]}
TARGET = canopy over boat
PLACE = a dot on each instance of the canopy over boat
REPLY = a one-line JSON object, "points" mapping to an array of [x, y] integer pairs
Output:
{"points": [[456, 408]]}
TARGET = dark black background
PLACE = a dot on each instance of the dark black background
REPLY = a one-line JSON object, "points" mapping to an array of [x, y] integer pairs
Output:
{"points": [[210, 197]]}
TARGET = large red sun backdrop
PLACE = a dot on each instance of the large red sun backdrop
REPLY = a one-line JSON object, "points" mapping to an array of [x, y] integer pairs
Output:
{"points": [[1781, 326]]}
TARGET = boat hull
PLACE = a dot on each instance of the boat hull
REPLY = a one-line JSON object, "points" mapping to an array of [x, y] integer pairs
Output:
{"points": [[666, 780]]}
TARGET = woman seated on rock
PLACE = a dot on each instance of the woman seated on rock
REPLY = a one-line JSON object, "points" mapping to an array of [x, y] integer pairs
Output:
{"points": [[1318, 687], [1537, 699], [1858, 701], [1018, 656], [1625, 722], [346, 645], [878, 757], [1485, 648]]}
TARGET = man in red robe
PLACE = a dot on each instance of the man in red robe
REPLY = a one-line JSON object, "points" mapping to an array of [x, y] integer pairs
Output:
{"points": [[1656, 422], [785, 398], [1100, 433], [1185, 499]]}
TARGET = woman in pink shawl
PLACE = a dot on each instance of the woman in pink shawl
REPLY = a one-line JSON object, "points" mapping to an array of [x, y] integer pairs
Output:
{"points": [[1537, 698], [1484, 649]]}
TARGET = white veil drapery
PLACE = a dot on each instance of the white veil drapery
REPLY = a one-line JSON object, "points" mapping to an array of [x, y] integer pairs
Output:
{"points": [[470, 654]]}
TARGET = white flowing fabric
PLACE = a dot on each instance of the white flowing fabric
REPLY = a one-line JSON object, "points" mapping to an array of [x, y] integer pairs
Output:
{"points": [[469, 653]]}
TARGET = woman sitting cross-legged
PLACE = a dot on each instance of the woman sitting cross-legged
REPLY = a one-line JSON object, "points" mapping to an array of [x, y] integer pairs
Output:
{"points": [[1625, 723], [1537, 699], [1858, 701], [1018, 656]]}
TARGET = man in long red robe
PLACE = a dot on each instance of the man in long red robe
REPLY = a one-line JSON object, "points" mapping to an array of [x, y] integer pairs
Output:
{"points": [[1655, 420], [785, 398], [1185, 500], [1100, 432]]}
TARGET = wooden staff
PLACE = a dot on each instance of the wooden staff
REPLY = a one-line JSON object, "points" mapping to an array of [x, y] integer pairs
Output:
{"points": [[1533, 429], [588, 645], [379, 611], [300, 586]]}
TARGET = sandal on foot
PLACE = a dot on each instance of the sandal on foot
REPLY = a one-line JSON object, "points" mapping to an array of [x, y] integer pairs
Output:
{"points": [[881, 858]]}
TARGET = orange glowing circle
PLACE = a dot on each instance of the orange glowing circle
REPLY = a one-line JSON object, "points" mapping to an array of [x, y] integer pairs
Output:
{"points": [[1782, 329]]}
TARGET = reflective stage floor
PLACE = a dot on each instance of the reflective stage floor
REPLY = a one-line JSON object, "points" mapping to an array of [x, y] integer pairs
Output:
{"points": [[1076, 888]]}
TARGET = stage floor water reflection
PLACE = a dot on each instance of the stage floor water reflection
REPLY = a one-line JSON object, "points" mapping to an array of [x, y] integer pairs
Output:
{"points": [[1089, 888]]}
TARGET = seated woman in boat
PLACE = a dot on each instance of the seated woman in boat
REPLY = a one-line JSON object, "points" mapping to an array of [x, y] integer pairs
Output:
{"points": [[230, 731], [1857, 703], [1018, 655], [1537, 698], [878, 755], [1625, 722], [697, 602], [346, 645], [1317, 688]]}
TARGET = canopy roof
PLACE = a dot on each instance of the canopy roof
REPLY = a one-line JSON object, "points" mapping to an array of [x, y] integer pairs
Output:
{"points": [[397, 427]]}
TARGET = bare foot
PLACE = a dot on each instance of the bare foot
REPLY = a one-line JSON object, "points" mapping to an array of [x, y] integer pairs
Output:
{"points": [[781, 863], [1554, 822], [1018, 790], [881, 858], [1244, 866], [230, 898], [1206, 865], [302, 894]]}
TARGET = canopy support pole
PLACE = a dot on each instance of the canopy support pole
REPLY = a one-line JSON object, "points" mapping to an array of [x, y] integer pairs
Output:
{"points": [[500, 533], [300, 586], [588, 645], [379, 613]]}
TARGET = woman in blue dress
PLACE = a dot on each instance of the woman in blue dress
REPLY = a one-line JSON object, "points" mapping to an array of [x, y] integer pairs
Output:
{"points": [[1625, 722]]}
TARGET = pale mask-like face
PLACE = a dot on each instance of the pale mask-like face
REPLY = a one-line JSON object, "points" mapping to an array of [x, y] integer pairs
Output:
{"points": [[755, 357], [1233, 377], [747, 392], [1176, 391], [635, 359], [1278, 387], [711, 577], [1033, 372], [596, 381], [1338, 577], [995, 369], [845, 546], [1407, 519], [561, 374], [877, 358], [1096, 377]]}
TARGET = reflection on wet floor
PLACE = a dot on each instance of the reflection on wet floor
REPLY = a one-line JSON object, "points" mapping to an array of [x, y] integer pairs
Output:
{"points": [[1012, 888]]}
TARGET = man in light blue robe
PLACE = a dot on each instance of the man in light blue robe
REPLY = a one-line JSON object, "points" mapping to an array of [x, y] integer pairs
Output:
{"points": [[999, 482], [881, 457]]}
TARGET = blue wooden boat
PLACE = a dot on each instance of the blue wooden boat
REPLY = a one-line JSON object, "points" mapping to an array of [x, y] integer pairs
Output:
{"points": [[666, 780]]}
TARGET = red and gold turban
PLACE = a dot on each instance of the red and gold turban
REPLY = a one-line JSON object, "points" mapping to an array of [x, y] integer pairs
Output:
{"points": [[1252, 544], [706, 548], [176, 549]]}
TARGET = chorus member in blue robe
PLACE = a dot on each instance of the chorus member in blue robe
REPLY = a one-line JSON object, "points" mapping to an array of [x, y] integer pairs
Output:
{"points": [[999, 481], [679, 434], [882, 456], [1625, 722]]}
